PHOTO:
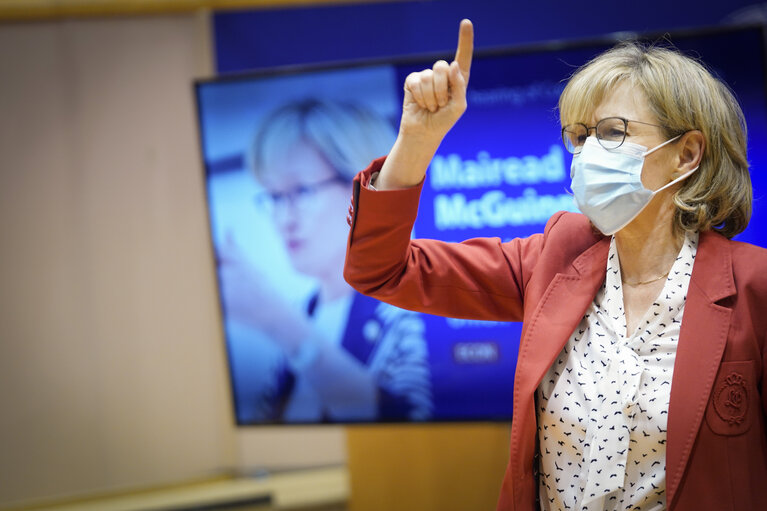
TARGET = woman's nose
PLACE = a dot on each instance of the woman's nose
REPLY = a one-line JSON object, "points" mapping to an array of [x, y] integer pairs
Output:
{"points": [[288, 218]]}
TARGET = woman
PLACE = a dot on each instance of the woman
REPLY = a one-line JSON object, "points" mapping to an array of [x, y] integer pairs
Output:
{"points": [[346, 357], [640, 381]]}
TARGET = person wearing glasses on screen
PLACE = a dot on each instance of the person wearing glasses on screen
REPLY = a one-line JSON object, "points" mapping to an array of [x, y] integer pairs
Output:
{"points": [[641, 373], [347, 357]]}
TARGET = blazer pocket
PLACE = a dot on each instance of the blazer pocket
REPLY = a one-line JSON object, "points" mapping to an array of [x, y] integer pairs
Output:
{"points": [[734, 399]]}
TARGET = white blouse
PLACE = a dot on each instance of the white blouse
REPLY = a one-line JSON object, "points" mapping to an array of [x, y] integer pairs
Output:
{"points": [[602, 407]]}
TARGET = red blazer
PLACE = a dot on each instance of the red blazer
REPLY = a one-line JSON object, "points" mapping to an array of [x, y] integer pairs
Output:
{"points": [[717, 442]]}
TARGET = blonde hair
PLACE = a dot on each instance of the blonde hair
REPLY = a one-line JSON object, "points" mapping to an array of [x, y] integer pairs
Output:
{"points": [[684, 96], [347, 136]]}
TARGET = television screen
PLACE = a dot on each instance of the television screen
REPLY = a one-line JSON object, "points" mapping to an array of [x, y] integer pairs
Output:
{"points": [[280, 149]]}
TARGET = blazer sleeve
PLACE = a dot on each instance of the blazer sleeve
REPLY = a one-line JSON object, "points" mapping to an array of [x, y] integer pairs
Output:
{"points": [[481, 278], [764, 378]]}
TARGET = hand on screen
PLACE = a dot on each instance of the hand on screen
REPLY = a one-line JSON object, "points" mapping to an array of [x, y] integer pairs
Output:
{"points": [[436, 98], [248, 297]]}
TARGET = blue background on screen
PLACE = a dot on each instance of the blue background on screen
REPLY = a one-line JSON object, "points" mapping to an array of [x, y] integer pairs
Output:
{"points": [[511, 117]]}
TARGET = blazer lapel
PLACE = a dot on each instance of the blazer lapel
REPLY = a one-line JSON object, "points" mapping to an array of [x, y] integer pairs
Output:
{"points": [[545, 333], [702, 340], [561, 309]]}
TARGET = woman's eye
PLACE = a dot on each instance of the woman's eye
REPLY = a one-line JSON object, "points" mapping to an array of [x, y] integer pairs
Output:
{"points": [[613, 134], [277, 198], [576, 139], [305, 191]]}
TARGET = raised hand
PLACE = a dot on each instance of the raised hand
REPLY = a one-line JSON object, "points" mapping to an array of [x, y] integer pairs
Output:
{"points": [[436, 98], [434, 101]]}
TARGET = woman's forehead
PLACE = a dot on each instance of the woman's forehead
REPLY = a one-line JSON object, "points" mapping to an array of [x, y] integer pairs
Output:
{"points": [[624, 100], [299, 163]]}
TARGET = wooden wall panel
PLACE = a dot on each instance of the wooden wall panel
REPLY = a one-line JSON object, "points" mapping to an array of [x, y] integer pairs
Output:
{"points": [[426, 467]]}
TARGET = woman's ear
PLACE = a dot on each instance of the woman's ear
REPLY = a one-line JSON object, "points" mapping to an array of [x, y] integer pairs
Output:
{"points": [[691, 148]]}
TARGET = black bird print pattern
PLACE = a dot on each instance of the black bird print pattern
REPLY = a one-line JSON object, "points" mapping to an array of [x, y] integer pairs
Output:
{"points": [[602, 407]]}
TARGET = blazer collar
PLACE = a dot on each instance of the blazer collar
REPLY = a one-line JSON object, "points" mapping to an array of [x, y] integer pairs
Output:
{"points": [[701, 345], [714, 259]]}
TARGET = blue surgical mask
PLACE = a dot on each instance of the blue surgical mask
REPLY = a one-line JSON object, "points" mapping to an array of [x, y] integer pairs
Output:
{"points": [[607, 184]]}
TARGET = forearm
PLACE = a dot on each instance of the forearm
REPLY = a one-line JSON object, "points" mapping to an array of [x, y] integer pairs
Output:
{"points": [[346, 387], [407, 162]]}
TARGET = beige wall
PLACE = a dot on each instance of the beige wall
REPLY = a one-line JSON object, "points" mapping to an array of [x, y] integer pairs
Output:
{"points": [[112, 368]]}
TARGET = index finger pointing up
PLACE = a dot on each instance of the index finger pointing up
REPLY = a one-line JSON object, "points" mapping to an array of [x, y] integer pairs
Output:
{"points": [[465, 47]]}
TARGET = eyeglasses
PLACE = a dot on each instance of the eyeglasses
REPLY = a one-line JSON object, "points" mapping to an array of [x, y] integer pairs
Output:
{"points": [[303, 197], [610, 133]]}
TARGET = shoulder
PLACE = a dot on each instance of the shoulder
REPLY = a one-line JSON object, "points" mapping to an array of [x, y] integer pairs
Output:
{"points": [[571, 230], [746, 251], [566, 237], [749, 262], [565, 220]]}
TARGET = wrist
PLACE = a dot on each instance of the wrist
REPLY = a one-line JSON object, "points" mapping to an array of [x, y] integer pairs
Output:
{"points": [[305, 355], [417, 142], [406, 164]]}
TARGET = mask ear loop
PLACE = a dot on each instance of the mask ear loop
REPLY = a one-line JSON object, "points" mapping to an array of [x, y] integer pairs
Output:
{"points": [[680, 178], [675, 181], [644, 155]]}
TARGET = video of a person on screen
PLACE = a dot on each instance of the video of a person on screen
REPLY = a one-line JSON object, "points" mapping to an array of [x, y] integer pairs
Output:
{"points": [[344, 356]]}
